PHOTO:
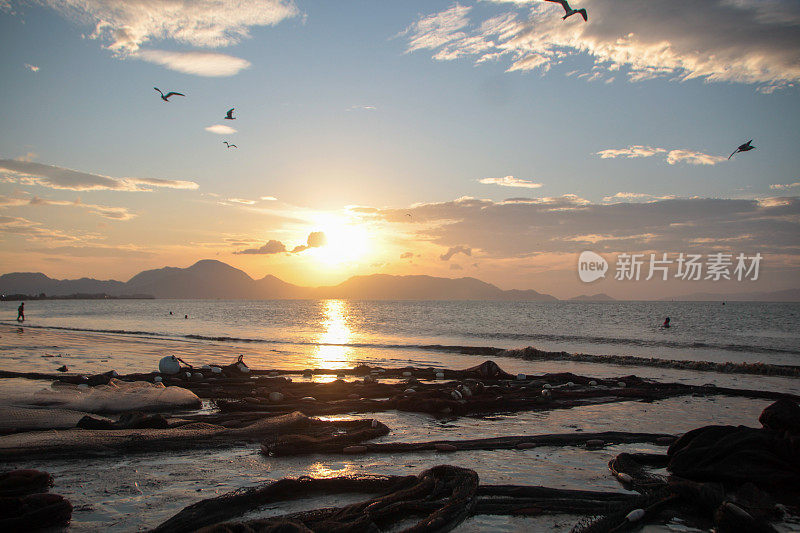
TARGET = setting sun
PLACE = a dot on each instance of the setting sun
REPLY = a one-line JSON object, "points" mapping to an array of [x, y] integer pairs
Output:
{"points": [[346, 241]]}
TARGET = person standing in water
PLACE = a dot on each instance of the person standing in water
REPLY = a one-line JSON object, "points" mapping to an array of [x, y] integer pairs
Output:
{"points": [[666, 323], [21, 312]]}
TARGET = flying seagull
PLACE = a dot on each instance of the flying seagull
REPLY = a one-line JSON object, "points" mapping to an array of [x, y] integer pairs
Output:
{"points": [[229, 115], [746, 147], [569, 10], [165, 97], [229, 145]]}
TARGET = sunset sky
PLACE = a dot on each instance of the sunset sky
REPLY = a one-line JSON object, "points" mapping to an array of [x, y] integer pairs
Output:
{"points": [[489, 139]]}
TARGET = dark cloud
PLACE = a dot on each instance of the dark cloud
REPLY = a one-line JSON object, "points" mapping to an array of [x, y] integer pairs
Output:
{"points": [[271, 247], [455, 250], [571, 224]]}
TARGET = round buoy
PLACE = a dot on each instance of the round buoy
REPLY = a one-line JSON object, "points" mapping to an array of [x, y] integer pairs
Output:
{"points": [[593, 383], [440, 375], [275, 396], [409, 391], [635, 515], [157, 379], [406, 374], [169, 365], [547, 386], [621, 384]]}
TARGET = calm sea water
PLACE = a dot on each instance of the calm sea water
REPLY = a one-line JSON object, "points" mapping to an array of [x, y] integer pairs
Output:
{"points": [[737, 331]]}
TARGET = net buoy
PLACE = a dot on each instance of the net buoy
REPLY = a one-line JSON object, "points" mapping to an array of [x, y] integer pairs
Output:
{"points": [[169, 365]]}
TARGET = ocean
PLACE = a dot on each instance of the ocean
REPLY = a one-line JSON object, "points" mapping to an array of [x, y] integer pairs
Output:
{"points": [[736, 331]]}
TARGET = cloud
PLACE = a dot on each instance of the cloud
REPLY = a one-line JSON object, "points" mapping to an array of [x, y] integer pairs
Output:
{"points": [[220, 129], [271, 247], [359, 107], [268, 199], [455, 250], [781, 186], [114, 213], [210, 64], [206, 23], [31, 173], [242, 201], [32, 68], [634, 196], [743, 41], [407, 255], [315, 239], [672, 157], [631, 152], [693, 158], [35, 230], [456, 266], [529, 227], [510, 181]]}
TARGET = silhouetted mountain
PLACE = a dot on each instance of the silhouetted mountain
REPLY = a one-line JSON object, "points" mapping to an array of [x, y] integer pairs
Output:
{"points": [[599, 297], [386, 287], [215, 279], [37, 283]]}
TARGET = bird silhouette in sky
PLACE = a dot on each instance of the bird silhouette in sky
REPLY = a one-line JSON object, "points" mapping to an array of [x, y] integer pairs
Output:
{"points": [[229, 114], [569, 10], [229, 145], [746, 147], [165, 97]]}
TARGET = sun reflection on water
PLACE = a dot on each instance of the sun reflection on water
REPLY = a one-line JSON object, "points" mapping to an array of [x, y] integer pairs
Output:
{"points": [[335, 314]]}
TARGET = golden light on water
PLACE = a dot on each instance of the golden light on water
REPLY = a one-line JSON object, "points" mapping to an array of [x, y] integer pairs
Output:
{"points": [[335, 315]]}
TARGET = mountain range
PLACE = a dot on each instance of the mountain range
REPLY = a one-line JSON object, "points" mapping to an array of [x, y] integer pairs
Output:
{"points": [[208, 279]]}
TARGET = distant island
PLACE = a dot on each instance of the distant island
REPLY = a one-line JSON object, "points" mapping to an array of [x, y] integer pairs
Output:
{"points": [[211, 279], [599, 297], [75, 296]]}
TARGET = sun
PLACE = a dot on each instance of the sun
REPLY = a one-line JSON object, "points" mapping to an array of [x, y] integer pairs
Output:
{"points": [[346, 241]]}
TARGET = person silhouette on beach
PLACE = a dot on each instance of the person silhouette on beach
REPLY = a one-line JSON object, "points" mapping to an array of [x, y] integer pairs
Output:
{"points": [[21, 312], [666, 323]]}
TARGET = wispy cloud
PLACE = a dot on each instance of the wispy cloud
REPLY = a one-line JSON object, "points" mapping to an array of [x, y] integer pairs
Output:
{"points": [[36, 231], [362, 107], [510, 181], [268, 199], [207, 23], [783, 186], [635, 197], [31, 173], [744, 41], [221, 129], [210, 64], [691, 157], [631, 152], [32, 68], [114, 213]]}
